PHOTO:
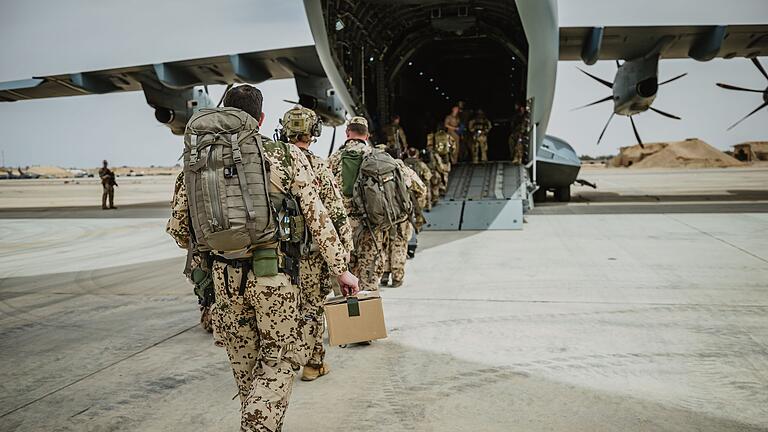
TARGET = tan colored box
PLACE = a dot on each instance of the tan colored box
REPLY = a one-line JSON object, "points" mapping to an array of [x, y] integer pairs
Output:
{"points": [[357, 319]]}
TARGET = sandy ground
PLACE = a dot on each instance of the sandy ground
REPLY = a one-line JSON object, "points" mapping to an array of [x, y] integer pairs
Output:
{"points": [[580, 322]]}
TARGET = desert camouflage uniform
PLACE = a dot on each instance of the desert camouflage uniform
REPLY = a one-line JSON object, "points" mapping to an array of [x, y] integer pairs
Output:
{"points": [[453, 121], [260, 327], [480, 126], [395, 250], [365, 261], [425, 174], [396, 138], [315, 276], [178, 228]]}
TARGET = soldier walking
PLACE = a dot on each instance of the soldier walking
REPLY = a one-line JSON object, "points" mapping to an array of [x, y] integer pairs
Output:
{"points": [[108, 184], [255, 277], [300, 127]]}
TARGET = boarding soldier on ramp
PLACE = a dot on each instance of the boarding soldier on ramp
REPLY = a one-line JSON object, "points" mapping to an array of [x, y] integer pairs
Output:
{"points": [[300, 126], [479, 127], [251, 203], [396, 138]]}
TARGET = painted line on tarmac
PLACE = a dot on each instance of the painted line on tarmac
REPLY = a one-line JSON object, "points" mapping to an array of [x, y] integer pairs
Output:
{"points": [[719, 239]]}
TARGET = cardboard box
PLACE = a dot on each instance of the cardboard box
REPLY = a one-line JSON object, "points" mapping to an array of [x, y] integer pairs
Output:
{"points": [[355, 319]]}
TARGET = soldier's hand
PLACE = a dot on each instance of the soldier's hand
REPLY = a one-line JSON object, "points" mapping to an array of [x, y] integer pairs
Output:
{"points": [[348, 284]]}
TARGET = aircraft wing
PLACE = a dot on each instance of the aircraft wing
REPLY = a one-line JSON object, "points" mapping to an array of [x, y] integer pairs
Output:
{"points": [[252, 67], [702, 43]]}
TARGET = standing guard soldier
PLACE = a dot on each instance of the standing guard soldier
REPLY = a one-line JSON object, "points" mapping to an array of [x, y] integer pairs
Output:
{"points": [[108, 184], [300, 127], [254, 268], [452, 125]]}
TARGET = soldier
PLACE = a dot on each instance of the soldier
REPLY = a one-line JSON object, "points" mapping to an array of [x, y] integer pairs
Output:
{"points": [[365, 259], [452, 125], [300, 127], [108, 184], [480, 126], [257, 318], [396, 137], [519, 137], [396, 244], [414, 162]]}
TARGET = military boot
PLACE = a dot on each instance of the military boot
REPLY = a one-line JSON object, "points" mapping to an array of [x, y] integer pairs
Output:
{"points": [[312, 373], [396, 283], [384, 279]]}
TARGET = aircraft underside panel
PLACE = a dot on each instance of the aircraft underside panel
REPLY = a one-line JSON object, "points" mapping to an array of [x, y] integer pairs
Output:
{"points": [[489, 196]]}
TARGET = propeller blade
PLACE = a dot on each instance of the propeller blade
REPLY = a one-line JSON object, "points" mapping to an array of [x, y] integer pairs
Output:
{"points": [[733, 87], [206, 89], [665, 114], [617, 64], [600, 80], [765, 104], [605, 99], [673, 79], [760, 67], [291, 102], [229, 86], [333, 141], [605, 128], [637, 135]]}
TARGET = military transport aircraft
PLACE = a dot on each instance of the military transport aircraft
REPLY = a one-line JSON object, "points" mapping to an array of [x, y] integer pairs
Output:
{"points": [[415, 58]]}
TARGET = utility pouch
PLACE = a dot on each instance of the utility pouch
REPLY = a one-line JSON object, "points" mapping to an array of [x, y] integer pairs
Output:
{"points": [[203, 286], [265, 262]]}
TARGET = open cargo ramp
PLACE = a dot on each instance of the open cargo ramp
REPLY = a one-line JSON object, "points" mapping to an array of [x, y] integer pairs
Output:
{"points": [[487, 196]]}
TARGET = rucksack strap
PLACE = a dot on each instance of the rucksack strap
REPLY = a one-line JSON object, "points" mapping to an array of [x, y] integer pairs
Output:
{"points": [[237, 156]]}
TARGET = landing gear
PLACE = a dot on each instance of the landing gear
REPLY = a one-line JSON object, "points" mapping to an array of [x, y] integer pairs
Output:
{"points": [[540, 196], [563, 194]]}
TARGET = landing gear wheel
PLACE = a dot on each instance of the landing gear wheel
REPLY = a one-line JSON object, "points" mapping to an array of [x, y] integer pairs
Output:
{"points": [[540, 196], [563, 194]]}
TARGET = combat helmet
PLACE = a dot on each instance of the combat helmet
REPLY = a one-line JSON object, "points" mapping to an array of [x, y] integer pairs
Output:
{"points": [[300, 121]]}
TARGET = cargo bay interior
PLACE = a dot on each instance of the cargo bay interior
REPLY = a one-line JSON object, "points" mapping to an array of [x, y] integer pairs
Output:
{"points": [[418, 58]]}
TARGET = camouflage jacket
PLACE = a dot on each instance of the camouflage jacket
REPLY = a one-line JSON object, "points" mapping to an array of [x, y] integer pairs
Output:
{"points": [[396, 135], [330, 194], [334, 162], [414, 184], [480, 124], [292, 174], [420, 168]]}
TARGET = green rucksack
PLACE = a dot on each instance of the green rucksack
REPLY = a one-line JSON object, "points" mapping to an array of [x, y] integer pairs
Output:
{"points": [[380, 193], [227, 179], [350, 167]]}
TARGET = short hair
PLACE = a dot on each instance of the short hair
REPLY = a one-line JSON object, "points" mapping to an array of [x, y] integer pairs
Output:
{"points": [[247, 98], [357, 128]]}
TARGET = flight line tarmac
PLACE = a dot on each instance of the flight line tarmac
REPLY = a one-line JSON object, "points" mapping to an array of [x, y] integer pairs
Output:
{"points": [[613, 320]]}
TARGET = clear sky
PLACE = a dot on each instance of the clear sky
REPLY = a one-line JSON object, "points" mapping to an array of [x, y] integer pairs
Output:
{"points": [[42, 37]]}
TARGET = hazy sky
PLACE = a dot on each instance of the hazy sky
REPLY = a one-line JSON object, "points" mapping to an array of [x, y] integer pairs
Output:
{"points": [[42, 37]]}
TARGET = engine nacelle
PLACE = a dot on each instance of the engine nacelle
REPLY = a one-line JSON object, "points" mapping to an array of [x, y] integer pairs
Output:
{"points": [[317, 93], [174, 108]]}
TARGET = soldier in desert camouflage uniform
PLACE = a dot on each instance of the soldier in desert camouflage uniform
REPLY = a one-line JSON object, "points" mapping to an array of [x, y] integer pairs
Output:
{"points": [[300, 126], [396, 244], [365, 261], [258, 318]]}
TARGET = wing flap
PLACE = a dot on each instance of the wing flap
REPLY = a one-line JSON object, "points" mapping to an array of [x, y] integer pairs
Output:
{"points": [[699, 42]]}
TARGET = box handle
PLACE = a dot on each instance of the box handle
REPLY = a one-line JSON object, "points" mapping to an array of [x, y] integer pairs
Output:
{"points": [[353, 306]]}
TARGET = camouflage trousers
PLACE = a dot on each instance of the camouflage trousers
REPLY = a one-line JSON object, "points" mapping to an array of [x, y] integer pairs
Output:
{"points": [[259, 327], [315, 287], [108, 193], [480, 149], [437, 179], [396, 250], [365, 261], [456, 150]]}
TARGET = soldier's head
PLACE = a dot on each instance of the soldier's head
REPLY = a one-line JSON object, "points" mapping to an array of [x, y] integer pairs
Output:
{"points": [[301, 125], [461, 105], [104, 163], [455, 110], [247, 98], [413, 153], [480, 114], [358, 129], [395, 119]]}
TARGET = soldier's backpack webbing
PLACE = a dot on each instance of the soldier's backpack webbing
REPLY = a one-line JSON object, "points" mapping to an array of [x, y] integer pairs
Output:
{"points": [[380, 192], [442, 143], [227, 178]]}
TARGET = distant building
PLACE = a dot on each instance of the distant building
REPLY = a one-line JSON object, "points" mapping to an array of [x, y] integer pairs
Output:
{"points": [[751, 151]]}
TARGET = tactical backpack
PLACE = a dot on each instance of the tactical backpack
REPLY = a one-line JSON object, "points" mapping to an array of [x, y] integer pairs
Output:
{"points": [[442, 143], [380, 192], [227, 180]]}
